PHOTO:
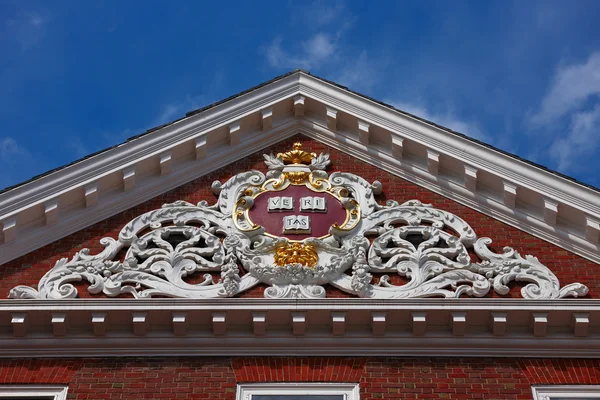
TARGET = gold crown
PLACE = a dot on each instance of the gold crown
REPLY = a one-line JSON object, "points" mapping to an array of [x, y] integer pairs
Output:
{"points": [[297, 155]]}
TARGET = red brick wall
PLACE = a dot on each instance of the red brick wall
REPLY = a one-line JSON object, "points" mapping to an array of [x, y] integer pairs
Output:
{"points": [[568, 267], [379, 378]]}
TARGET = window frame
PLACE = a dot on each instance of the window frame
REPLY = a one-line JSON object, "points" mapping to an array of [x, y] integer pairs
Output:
{"points": [[57, 392], [558, 392], [349, 390]]}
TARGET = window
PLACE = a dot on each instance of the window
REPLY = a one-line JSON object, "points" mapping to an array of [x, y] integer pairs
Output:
{"points": [[298, 391], [33, 392], [570, 392]]}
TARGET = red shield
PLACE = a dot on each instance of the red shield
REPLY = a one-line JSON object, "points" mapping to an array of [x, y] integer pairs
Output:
{"points": [[320, 222]]}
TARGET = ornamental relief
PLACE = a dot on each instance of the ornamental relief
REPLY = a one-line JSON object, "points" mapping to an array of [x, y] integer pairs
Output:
{"points": [[296, 229]]}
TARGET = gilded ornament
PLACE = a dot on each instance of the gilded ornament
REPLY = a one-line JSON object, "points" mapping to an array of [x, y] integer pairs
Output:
{"points": [[430, 247], [297, 155], [296, 177], [296, 253]]}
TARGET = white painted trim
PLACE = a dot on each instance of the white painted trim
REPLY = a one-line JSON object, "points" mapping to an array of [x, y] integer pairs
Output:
{"points": [[459, 147], [455, 191], [150, 188], [579, 236], [301, 327], [350, 391], [17, 391], [566, 392]]}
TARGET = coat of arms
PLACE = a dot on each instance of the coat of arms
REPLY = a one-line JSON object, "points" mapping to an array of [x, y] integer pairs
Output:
{"points": [[296, 229]]}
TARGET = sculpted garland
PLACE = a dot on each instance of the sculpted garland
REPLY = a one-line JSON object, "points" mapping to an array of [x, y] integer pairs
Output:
{"points": [[297, 229]]}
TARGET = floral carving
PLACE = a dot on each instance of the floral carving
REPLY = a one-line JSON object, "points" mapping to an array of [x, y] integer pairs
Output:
{"points": [[427, 246]]}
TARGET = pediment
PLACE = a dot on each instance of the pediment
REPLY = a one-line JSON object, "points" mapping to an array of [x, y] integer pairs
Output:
{"points": [[296, 230], [511, 190]]}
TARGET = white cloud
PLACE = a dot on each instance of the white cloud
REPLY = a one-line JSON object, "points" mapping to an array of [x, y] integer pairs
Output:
{"points": [[172, 111], [320, 13], [571, 87], [77, 146], [314, 51], [10, 151], [571, 106], [447, 119], [358, 75], [28, 29], [319, 47], [37, 19], [16, 163], [168, 113], [581, 141]]}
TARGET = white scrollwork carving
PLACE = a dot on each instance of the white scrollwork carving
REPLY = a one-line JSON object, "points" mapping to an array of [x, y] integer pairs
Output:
{"points": [[166, 249]]}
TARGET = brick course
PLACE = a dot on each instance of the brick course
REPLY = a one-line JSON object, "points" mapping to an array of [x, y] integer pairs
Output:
{"points": [[379, 378]]}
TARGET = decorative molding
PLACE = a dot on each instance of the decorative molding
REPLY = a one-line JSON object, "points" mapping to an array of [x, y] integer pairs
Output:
{"points": [[332, 118], [299, 105], [459, 323], [510, 194], [565, 237], [59, 324], [129, 178], [581, 323], [180, 323], [9, 229], [338, 323], [219, 323], [378, 322], [408, 331], [200, 146], [363, 132], [299, 323], [235, 133], [499, 323], [411, 239], [550, 211], [433, 161], [19, 323], [259, 322], [140, 323], [99, 323], [51, 211], [166, 164], [397, 146], [24, 201], [470, 178], [540, 324], [91, 194], [267, 118], [592, 229], [419, 323]]}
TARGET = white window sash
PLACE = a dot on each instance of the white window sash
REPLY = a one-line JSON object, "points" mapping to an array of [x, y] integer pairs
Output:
{"points": [[350, 391]]}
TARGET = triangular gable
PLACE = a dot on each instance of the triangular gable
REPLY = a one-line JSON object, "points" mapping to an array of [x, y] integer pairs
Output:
{"points": [[387, 320], [297, 230], [535, 200]]}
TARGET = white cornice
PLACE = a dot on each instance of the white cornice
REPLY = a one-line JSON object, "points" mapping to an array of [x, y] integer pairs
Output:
{"points": [[65, 201], [226, 327], [564, 238], [459, 147]]}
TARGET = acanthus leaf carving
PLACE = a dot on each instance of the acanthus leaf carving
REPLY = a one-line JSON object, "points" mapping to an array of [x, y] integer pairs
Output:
{"points": [[180, 243]]}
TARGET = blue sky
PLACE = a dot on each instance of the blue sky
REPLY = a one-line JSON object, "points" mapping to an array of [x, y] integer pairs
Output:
{"points": [[79, 76]]}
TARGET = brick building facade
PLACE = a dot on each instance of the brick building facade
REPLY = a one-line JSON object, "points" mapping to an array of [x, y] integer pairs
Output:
{"points": [[497, 346]]}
